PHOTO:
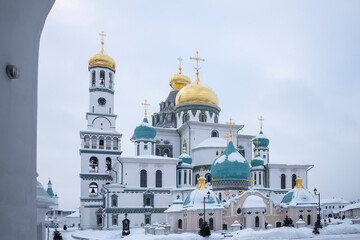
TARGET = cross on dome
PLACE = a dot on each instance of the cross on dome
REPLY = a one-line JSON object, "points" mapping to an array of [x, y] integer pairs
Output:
{"points": [[145, 104], [251, 182], [257, 142], [184, 138], [180, 60], [197, 59], [231, 124], [261, 120], [102, 34], [227, 139]]}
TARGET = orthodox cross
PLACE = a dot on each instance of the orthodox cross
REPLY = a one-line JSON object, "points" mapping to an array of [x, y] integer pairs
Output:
{"points": [[184, 138], [146, 105], [261, 120], [231, 124], [227, 139], [197, 59], [180, 60], [102, 34], [257, 142], [251, 182]]}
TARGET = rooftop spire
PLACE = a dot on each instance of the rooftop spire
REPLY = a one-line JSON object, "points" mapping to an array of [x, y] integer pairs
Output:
{"points": [[145, 104], [299, 181], [231, 124], [102, 34], [201, 181], [261, 120], [197, 59]]}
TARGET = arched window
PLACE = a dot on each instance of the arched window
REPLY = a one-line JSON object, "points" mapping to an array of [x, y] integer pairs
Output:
{"points": [[115, 143], [179, 224], [93, 164], [148, 201], [108, 164], [111, 80], [201, 222], [217, 153], [185, 176], [202, 117], [214, 133], [216, 119], [108, 143], [93, 189], [189, 177], [147, 220], [167, 152], [211, 223], [101, 142], [93, 78], [255, 175], [143, 178], [308, 219], [186, 117], [93, 141], [293, 180], [301, 217], [86, 141], [179, 178], [257, 222], [157, 152], [197, 179], [278, 224], [114, 200], [102, 78], [220, 196], [283, 181], [158, 179], [208, 177]]}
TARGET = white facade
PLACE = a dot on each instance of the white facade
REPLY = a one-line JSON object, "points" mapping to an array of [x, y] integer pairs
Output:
{"points": [[331, 207]]}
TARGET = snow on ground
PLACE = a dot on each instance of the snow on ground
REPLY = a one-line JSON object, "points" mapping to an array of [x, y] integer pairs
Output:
{"points": [[336, 231]]}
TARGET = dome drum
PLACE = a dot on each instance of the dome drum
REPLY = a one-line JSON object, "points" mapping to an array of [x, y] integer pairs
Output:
{"points": [[230, 184], [197, 107]]}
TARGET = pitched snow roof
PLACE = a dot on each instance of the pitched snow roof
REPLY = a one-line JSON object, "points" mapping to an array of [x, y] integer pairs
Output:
{"points": [[351, 206], [254, 201], [212, 142]]}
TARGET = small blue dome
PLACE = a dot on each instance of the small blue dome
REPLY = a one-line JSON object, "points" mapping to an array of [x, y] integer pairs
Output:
{"points": [[145, 130], [230, 165], [257, 161], [263, 140], [185, 158]]}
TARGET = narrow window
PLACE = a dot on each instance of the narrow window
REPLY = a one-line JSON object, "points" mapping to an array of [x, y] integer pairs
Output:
{"points": [[158, 179], [179, 224], [108, 164], [145, 146], [179, 177], [202, 117], [283, 181], [94, 164], [208, 177], [111, 80], [211, 223], [216, 120], [148, 201], [257, 222], [143, 178], [86, 141], [293, 180], [214, 133], [93, 78], [255, 178], [220, 196], [185, 177], [115, 143], [189, 177], [259, 178], [197, 178], [102, 78], [309, 220], [201, 221], [138, 149], [114, 200]]}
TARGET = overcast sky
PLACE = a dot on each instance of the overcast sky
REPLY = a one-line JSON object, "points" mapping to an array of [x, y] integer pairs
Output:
{"points": [[296, 63]]}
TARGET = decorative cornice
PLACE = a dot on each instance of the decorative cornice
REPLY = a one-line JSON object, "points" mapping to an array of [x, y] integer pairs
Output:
{"points": [[135, 210], [95, 177], [100, 151], [97, 89]]}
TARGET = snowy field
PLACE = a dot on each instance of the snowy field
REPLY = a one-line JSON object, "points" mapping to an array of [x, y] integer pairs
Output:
{"points": [[341, 231]]}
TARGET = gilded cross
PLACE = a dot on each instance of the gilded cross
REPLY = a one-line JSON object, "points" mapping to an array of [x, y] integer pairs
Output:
{"points": [[146, 105], [257, 142], [180, 60], [231, 124], [184, 138], [227, 139], [251, 182], [197, 59], [102, 34], [261, 120]]}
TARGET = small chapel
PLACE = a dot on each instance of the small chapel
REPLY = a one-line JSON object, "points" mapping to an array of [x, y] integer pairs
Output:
{"points": [[180, 157]]}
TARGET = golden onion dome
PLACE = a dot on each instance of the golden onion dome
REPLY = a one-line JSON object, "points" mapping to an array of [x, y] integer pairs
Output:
{"points": [[196, 92], [102, 59], [178, 81]]}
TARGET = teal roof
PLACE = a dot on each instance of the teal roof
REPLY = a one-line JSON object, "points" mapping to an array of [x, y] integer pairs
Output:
{"points": [[257, 161], [230, 165], [185, 158], [288, 197], [49, 183], [145, 130], [264, 141], [50, 191]]}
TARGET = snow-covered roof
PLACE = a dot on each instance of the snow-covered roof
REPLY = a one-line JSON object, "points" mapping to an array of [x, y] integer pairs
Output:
{"points": [[195, 200], [334, 201], [254, 201], [213, 142], [299, 197], [351, 206]]}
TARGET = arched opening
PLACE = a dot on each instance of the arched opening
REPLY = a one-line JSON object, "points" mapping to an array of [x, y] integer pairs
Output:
{"points": [[93, 164], [93, 78], [101, 143], [102, 78], [257, 222], [115, 143], [278, 224], [293, 180], [147, 220], [211, 223], [157, 152], [158, 178], [114, 200], [201, 222], [308, 219], [214, 133], [179, 180], [208, 177], [179, 224], [197, 179], [148, 201], [111, 80], [217, 153], [108, 143], [143, 178], [93, 189], [202, 117], [301, 217], [108, 164], [93, 141], [167, 152], [283, 181], [186, 117], [185, 176], [189, 177], [86, 141]]}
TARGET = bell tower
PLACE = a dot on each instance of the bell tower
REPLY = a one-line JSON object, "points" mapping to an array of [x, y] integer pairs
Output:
{"points": [[100, 142]]}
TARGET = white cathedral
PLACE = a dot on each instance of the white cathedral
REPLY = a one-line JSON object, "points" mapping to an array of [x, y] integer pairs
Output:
{"points": [[184, 140]]}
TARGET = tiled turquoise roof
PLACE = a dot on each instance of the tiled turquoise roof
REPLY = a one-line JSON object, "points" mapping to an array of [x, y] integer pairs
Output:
{"points": [[145, 130]]}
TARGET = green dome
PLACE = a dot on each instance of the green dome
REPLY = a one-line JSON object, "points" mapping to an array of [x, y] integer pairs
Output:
{"points": [[257, 161], [230, 165], [144, 130], [263, 140], [185, 158]]}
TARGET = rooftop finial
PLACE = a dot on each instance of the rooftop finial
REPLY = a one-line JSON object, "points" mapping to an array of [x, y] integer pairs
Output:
{"points": [[102, 34], [184, 142], [257, 142], [261, 120], [231, 124], [197, 59], [180, 59], [251, 182], [146, 105], [299, 181], [227, 139], [201, 180]]}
